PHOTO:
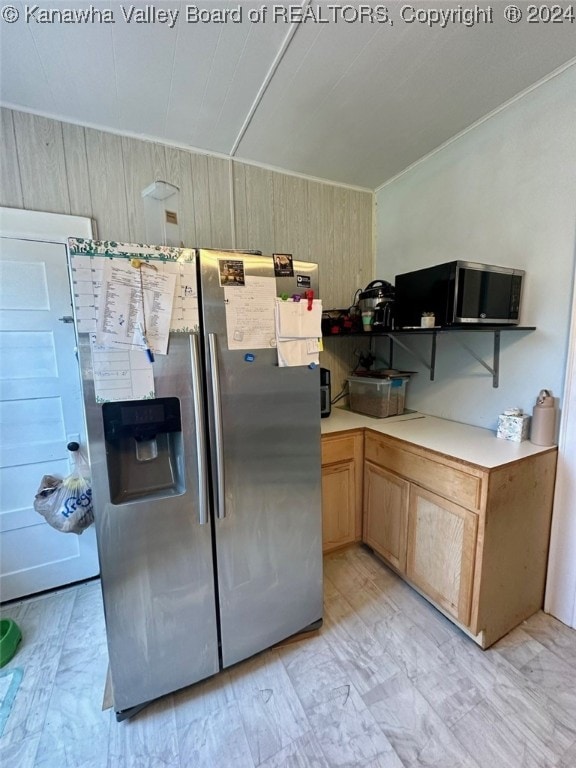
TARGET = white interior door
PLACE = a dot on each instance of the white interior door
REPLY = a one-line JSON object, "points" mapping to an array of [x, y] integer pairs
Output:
{"points": [[40, 412]]}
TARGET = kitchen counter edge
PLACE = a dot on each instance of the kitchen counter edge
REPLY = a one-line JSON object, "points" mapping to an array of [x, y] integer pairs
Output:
{"points": [[475, 445]]}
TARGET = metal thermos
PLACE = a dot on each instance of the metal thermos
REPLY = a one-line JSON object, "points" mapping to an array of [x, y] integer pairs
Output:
{"points": [[543, 431]]}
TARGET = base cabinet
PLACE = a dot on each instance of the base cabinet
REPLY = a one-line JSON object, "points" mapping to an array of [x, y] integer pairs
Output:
{"points": [[386, 514], [472, 540], [342, 459], [441, 550]]}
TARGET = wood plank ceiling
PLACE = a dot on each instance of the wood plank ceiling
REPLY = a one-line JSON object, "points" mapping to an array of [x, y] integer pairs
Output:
{"points": [[335, 97]]}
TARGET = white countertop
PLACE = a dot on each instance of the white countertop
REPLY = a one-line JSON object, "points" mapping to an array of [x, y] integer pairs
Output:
{"points": [[473, 444]]}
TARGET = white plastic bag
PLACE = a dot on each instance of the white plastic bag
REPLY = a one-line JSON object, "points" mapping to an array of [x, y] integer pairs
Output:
{"points": [[66, 504]]}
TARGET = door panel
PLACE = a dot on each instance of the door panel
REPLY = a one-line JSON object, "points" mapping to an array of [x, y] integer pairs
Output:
{"points": [[338, 504], [156, 557], [269, 545], [40, 411], [441, 550], [386, 514]]}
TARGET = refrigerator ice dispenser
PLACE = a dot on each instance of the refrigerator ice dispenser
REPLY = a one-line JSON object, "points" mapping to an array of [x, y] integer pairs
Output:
{"points": [[144, 450]]}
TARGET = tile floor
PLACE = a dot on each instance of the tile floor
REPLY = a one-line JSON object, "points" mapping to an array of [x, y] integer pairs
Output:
{"points": [[387, 682]]}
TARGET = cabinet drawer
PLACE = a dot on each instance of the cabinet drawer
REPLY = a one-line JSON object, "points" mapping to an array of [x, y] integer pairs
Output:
{"points": [[448, 481], [337, 449]]}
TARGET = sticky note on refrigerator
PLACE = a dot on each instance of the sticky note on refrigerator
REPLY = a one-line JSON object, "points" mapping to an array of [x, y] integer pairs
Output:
{"points": [[295, 321], [296, 352]]}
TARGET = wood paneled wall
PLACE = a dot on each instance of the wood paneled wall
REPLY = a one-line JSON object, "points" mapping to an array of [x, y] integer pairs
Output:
{"points": [[47, 165]]}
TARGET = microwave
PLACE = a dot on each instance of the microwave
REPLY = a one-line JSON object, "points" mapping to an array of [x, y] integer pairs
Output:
{"points": [[459, 292]]}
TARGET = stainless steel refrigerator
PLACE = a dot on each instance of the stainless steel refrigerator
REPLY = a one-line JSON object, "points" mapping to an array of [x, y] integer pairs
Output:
{"points": [[207, 501]]}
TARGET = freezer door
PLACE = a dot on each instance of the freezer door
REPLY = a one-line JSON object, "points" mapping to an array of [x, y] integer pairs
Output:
{"points": [[155, 553], [265, 448]]}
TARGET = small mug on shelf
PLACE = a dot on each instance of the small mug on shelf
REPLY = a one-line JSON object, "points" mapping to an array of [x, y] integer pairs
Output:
{"points": [[367, 319]]}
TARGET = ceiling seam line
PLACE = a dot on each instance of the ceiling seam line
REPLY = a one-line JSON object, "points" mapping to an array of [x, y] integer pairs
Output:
{"points": [[230, 84], [115, 65], [266, 82], [41, 63], [208, 77], [172, 71]]}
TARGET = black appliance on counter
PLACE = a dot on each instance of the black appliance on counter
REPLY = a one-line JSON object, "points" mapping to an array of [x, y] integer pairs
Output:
{"points": [[459, 292], [325, 392]]}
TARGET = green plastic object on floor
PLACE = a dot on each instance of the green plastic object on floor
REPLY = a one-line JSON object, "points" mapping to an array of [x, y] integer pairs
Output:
{"points": [[10, 636]]}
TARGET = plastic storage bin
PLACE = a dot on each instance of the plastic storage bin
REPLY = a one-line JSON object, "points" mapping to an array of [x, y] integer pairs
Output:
{"points": [[380, 397]]}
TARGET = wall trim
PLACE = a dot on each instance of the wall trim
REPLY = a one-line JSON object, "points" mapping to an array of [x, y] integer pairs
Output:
{"points": [[19, 223]]}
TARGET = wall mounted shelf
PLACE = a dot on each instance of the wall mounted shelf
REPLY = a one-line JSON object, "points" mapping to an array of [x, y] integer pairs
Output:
{"points": [[433, 333]]}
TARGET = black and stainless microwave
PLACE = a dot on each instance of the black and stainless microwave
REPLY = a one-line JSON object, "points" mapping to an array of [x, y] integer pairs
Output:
{"points": [[459, 292]]}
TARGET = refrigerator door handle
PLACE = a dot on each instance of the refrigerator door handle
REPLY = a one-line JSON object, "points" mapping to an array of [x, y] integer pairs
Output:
{"points": [[218, 441], [201, 444]]}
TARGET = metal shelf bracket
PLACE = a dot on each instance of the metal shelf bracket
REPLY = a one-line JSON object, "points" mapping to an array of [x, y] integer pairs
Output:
{"points": [[431, 366], [494, 369]]}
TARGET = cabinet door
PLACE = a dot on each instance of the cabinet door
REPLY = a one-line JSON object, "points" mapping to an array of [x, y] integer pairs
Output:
{"points": [[338, 505], [386, 514], [441, 551]]}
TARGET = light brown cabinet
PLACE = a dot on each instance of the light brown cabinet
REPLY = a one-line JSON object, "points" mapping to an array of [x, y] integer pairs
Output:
{"points": [[473, 540], [441, 551], [342, 460], [386, 514]]}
